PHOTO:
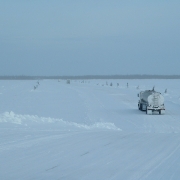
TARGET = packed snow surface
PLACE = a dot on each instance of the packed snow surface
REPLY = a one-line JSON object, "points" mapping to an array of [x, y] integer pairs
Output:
{"points": [[87, 130]]}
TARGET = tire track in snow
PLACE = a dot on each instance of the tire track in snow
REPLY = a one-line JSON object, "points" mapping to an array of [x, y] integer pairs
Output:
{"points": [[160, 163], [145, 123], [113, 112]]}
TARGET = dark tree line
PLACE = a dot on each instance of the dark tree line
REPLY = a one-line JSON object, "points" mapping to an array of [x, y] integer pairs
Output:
{"points": [[136, 76]]}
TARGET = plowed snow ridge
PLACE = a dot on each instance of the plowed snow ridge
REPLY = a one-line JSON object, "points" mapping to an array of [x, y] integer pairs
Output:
{"points": [[11, 117]]}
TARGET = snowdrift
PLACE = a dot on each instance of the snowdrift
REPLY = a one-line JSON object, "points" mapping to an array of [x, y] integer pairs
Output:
{"points": [[30, 120]]}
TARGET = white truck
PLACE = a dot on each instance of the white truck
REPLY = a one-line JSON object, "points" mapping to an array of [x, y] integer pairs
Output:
{"points": [[151, 101]]}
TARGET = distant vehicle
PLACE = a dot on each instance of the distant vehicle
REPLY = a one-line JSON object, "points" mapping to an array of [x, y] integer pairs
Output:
{"points": [[68, 81], [151, 101]]}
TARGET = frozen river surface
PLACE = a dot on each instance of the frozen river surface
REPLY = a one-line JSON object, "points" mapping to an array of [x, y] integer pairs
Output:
{"points": [[87, 130]]}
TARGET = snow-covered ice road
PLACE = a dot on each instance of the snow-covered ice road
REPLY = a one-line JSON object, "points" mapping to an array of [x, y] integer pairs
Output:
{"points": [[87, 130]]}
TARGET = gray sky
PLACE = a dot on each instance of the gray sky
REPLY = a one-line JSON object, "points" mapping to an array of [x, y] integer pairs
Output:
{"points": [[89, 37]]}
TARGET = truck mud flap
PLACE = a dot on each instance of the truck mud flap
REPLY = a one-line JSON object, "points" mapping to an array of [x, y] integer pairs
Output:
{"points": [[162, 112], [149, 112]]}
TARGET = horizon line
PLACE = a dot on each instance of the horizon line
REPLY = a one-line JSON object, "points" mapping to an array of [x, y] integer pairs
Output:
{"points": [[130, 76]]}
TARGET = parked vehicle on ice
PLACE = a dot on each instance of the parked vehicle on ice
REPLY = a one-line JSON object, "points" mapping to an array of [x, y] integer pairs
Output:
{"points": [[151, 101], [68, 81]]}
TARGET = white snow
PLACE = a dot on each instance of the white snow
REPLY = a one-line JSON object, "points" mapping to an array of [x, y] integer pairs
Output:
{"points": [[26, 120], [87, 130]]}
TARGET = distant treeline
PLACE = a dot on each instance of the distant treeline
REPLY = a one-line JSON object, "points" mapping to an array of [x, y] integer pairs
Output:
{"points": [[136, 76]]}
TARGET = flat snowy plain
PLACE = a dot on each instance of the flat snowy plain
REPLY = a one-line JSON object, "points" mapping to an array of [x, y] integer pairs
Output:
{"points": [[87, 131]]}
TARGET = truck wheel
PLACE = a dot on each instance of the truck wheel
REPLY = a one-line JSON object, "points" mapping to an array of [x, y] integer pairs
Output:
{"points": [[140, 107]]}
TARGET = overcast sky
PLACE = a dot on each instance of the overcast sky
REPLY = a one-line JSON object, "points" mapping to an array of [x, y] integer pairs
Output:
{"points": [[89, 37]]}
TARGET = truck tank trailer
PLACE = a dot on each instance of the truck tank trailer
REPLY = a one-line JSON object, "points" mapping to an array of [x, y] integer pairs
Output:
{"points": [[151, 101]]}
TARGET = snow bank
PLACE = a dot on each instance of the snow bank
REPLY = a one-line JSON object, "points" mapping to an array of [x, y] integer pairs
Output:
{"points": [[11, 117]]}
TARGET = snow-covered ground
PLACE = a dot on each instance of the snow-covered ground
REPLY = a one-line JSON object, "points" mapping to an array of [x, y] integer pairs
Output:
{"points": [[87, 130]]}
